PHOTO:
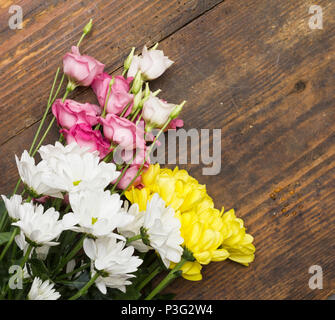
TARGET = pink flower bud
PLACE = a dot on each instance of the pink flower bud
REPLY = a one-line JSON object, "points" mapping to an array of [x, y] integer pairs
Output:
{"points": [[122, 132], [128, 177], [70, 113], [119, 96], [85, 136], [81, 69]]}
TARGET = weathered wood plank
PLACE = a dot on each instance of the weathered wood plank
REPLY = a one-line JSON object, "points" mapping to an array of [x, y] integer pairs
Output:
{"points": [[30, 56], [257, 71]]}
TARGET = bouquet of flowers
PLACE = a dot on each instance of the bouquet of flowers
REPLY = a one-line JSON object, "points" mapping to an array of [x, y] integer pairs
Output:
{"points": [[96, 219]]}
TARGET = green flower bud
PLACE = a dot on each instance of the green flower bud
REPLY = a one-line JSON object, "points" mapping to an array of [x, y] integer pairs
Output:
{"points": [[129, 59], [88, 27], [112, 82], [147, 90], [176, 111], [137, 83], [137, 100], [155, 46], [157, 92]]}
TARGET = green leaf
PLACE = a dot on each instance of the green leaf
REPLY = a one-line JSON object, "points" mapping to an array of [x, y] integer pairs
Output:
{"points": [[38, 268], [3, 209], [78, 283], [131, 294], [166, 296], [4, 237]]}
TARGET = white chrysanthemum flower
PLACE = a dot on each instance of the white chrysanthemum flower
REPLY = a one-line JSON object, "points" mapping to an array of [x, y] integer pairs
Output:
{"points": [[134, 228], [97, 213], [114, 261], [163, 230], [42, 290], [13, 205], [31, 175], [38, 226], [59, 150], [41, 252], [77, 170]]}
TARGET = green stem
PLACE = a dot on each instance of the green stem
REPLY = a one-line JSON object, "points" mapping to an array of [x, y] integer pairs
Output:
{"points": [[134, 238], [81, 39], [68, 90], [123, 172], [67, 209], [14, 233], [69, 274], [45, 113], [73, 252], [110, 156], [86, 287], [17, 186], [171, 276], [152, 275], [3, 219], [125, 109], [50, 102], [44, 136], [139, 119], [135, 114], [106, 102], [26, 256]]}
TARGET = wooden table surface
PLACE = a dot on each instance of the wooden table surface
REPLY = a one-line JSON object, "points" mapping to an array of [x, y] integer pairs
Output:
{"points": [[252, 68]]}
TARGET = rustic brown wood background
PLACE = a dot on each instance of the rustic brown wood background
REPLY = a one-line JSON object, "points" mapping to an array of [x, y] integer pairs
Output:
{"points": [[252, 68]]}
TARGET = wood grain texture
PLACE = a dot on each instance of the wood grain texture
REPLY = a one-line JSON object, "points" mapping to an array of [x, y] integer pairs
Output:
{"points": [[30, 56], [259, 73]]}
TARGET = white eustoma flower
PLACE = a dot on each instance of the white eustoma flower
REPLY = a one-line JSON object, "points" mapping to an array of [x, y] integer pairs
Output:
{"points": [[38, 226], [134, 66], [42, 290], [73, 170], [13, 205], [134, 228], [97, 213], [31, 175], [163, 230], [156, 112], [114, 261], [152, 64]]}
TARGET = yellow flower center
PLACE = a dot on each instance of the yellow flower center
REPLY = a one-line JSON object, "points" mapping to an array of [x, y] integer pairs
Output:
{"points": [[75, 183]]}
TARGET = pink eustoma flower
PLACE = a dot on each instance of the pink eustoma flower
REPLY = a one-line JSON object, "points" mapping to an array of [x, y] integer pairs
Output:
{"points": [[122, 132], [128, 177], [85, 136], [136, 156], [81, 69], [119, 96], [175, 124], [70, 113]]}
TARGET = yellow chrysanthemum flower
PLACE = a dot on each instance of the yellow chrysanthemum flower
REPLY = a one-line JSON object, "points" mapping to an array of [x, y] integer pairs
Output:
{"points": [[236, 240], [208, 233]]}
